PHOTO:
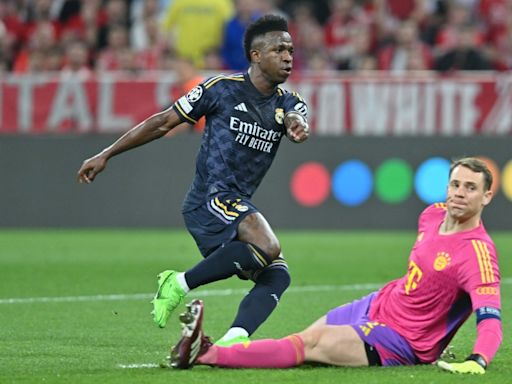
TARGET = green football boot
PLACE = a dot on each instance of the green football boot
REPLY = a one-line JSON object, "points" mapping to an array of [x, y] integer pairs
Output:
{"points": [[167, 298], [233, 341]]}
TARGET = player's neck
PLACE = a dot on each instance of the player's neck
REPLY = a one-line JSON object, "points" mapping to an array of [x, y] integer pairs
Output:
{"points": [[451, 225], [260, 82]]}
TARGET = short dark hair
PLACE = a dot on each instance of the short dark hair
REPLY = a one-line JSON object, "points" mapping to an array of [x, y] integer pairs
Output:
{"points": [[266, 23], [476, 165]]}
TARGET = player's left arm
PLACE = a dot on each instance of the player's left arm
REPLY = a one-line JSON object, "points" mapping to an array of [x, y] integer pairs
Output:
{"points": [[488, 340], [295, 118], [483, 285], [297, 128]]}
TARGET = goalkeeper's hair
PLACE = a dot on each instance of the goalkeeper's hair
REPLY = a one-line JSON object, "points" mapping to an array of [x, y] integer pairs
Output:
{"points": [[266, 23], [476, 165]]}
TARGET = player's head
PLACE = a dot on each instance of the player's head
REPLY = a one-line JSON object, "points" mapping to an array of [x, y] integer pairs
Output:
{"points": [[477, 166], [258, 29], [469, 188], [268, 44]]}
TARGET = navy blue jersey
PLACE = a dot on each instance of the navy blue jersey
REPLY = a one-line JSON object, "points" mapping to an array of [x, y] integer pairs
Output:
{"points": [[242, 134]]}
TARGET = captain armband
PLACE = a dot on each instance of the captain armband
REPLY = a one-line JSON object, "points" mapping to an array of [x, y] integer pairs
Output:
{"points": [[477, 359], [483, 313]]}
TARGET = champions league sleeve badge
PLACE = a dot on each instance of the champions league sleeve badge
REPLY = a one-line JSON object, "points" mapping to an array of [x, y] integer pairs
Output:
{"points": [[195, 94]]}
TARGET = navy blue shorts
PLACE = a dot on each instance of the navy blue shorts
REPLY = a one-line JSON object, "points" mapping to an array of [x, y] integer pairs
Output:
{"points": [[215, 223]]}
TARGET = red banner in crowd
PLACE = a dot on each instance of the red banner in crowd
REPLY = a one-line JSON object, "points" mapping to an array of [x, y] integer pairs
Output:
{"points": [[338, 105]]}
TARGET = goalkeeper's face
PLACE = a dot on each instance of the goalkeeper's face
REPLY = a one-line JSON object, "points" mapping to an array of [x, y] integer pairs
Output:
{"points": [[466, 196]]}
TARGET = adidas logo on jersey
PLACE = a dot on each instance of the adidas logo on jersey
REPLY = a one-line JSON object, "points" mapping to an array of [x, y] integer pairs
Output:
{"points": [[241, 107]]}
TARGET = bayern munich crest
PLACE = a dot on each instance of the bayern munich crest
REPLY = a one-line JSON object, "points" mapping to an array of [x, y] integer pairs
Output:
{"points": [[442, 260]]}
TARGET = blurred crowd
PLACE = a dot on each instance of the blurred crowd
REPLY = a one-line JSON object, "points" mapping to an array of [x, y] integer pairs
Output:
{"points": [[86, 36]]}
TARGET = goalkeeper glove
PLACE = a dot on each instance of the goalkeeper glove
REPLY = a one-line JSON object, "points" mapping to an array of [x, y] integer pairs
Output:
{"points": [[474, 364]]}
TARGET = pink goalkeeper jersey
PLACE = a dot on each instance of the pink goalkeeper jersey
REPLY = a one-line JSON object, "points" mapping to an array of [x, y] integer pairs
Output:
{"points": [[448, 277]]}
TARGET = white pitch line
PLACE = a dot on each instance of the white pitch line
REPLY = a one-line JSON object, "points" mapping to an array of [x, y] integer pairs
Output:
{"points": [[135, 366], [199, 293], [64, 299]]}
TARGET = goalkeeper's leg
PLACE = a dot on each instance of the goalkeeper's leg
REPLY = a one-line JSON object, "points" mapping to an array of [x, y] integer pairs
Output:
{"points": [[319, 343]]}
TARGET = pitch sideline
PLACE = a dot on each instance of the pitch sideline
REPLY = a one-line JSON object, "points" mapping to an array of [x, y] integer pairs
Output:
{"points": [[136, 366], [198, 293]]}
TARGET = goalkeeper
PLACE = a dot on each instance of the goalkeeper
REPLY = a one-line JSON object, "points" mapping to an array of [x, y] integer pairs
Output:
{"points": [[452, 272]]}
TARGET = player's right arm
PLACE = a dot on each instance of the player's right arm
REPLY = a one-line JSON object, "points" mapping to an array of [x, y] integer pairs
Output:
{"points": [[148, 130]]}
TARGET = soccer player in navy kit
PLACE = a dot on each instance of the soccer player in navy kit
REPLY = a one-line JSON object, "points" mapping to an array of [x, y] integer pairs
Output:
{"points": [[246, 117]]}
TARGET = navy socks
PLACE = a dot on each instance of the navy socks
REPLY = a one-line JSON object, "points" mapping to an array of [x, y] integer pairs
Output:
{"points": [[259, 303], [225, 262]]}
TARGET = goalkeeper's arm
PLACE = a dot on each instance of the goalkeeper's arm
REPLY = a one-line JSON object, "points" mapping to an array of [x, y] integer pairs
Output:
{"points": [[488, 340]]}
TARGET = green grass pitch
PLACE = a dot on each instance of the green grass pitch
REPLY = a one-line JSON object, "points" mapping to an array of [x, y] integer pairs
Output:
{"points": [[74, 305]]}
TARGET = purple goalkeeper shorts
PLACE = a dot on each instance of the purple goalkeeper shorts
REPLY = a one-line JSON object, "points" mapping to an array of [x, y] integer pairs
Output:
{"points": [[392, 348]]}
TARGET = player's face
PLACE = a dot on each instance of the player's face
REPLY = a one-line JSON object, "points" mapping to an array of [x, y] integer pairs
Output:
{"points": [[275, 57], [466, 195]]}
